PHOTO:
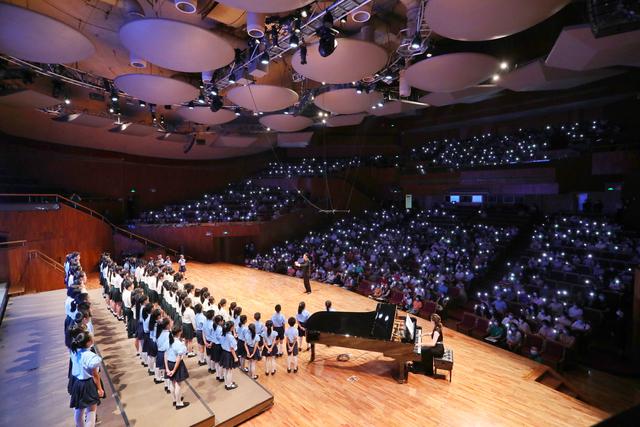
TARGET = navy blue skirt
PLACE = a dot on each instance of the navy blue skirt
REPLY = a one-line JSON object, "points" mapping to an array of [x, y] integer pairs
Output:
{"points": [[241, 352], [182, 269], [84, 394], [280, 331], [272, 353], [293, 352], [187, 331], [181, 373], [302, 332], [139, 332], [199, 337], [145, 343], [227, 361], [217, 353], [67, 332], [153, 348], [160, 359], [256, 356]]}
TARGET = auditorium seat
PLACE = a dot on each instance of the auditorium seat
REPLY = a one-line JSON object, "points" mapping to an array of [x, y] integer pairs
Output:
{"points": [[531, 340], [395, 297], [467, 324], [481, 328], [428, 309], [553, 354], [365, 288]]}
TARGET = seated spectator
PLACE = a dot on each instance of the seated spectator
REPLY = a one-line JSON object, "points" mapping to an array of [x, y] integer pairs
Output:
{"points": [[514, 337]]}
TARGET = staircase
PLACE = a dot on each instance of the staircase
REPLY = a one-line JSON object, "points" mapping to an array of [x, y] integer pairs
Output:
{"points": [[550, 378]]}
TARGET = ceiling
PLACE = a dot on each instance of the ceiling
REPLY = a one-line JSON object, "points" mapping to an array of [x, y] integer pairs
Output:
{"points": [[149, 52]]}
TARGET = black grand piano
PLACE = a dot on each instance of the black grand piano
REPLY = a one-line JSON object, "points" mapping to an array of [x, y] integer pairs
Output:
{"points": [[381, 331]]}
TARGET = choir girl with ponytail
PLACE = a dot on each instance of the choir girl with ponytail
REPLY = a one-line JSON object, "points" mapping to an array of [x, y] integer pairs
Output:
{"points": [[253, 349], [207, 338], [241, 331], [302, 317], [85, 385], [229, 358], [162, 340], [278, 320], [174, 365], [291, 335], [152, 350], [269, 349], [188, 325], [217, 346], [200, 319]]}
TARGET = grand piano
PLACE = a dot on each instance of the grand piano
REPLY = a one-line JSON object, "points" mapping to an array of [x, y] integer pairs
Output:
{"points": [[382, 331]]}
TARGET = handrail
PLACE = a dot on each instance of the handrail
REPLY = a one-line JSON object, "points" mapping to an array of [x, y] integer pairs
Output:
{"points": [[46, 258], [14, 243], [91, 212]]}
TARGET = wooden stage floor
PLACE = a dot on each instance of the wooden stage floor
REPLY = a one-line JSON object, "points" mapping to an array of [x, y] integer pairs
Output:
{"points": [[490, 386]]}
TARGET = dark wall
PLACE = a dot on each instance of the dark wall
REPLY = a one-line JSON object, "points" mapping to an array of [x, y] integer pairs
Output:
{"points": [[110, 177]]}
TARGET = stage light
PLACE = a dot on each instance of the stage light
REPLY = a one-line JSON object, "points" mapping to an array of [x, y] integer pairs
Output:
{"points": [[264, 58], [268, 129], [429, 55], [303, 54], [504, 65], [186, 6], [380, 104], [67, 100], [294, 41], [213, 91], [416, 42], [201, 99], [327, 43], [237, 112], [142, 104], [304, 13], [216, 103], [111, 110], [114, 95], [495, 77], [191, 105], [327, 19], [343, 20]]}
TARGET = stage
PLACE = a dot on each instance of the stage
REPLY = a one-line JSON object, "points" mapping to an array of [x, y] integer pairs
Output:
{"points": [[490, 386]]}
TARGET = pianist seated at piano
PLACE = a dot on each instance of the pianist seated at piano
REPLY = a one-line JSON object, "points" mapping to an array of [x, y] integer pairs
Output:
{"points": [[433, 349]]}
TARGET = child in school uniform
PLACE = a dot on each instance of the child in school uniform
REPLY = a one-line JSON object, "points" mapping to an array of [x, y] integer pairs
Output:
{"points": [[217, 346], [182, 263], [207, 338], [139, 302], [153, 346], [269, 349], [229, 358], [222, 308], [278, 320], [86, 387], [253, 349], [241, 329], [188, 325], [302, 317], [174, 366], [127, 307], [258, 323], [291, 335], [162, 341], [200, 319], [146, 317]]}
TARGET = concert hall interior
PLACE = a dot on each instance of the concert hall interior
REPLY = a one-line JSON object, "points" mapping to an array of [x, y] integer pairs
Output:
{"points": [[319, 213]]}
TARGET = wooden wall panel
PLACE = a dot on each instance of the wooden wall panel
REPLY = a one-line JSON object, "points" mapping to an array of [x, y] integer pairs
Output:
{"points": [[56, 233]]}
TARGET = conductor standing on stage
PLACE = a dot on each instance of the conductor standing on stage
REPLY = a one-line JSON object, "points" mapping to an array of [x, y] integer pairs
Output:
{"points": [[305, 265]]}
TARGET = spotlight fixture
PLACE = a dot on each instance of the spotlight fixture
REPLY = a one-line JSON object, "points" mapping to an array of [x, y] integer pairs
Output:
{"points": [[359, 89], [264, 58], [114, 95], [324, 121], [304, 13], [373, 107], [191, 105], [495, 77], [216, 104], [268, 129], [142, 104], [294, 41], [327, 19], [429, 55], [296, 25], [416, 42], [111, 109], [327, 43], [380, 104], [201, 99], [303, 54], [186, 6], [213, 91], [67, 100], [343, 20], [504, 65], [232, 79], [237, 112]]}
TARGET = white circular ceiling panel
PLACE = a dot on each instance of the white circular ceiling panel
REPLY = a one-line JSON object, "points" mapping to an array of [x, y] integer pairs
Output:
{"points": [[262, 98], [35, 37], [286, 122], [451, 72], [473, 20], [205, 116], [346, 101], [351, 61], [176, 45], [156, 89], [266, 6]]}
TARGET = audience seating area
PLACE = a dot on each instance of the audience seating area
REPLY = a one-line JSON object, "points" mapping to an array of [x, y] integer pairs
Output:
{"points": [[245, 201]]}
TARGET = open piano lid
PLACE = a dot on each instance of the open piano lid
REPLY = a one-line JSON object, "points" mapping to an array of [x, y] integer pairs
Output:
{"points": [[376, 324]]}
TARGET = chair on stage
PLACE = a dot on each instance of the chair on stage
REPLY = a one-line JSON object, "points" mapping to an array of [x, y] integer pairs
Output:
{"points": [[467, 324], [428, 309], [445, 362], [553, 354], [480, 330]]}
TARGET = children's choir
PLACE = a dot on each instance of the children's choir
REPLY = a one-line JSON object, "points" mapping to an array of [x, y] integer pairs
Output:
{"points": [[163, 315]]}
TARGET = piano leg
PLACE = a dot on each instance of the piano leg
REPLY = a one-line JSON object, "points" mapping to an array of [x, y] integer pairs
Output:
{"points": [[313, 352], [403, 376]]}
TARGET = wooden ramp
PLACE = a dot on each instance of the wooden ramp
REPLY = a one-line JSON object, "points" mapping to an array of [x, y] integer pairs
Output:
{"points": [[145, 403]]}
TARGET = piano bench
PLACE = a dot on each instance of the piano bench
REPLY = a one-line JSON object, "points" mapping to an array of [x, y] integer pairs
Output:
{"points": [[445, 362]]}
